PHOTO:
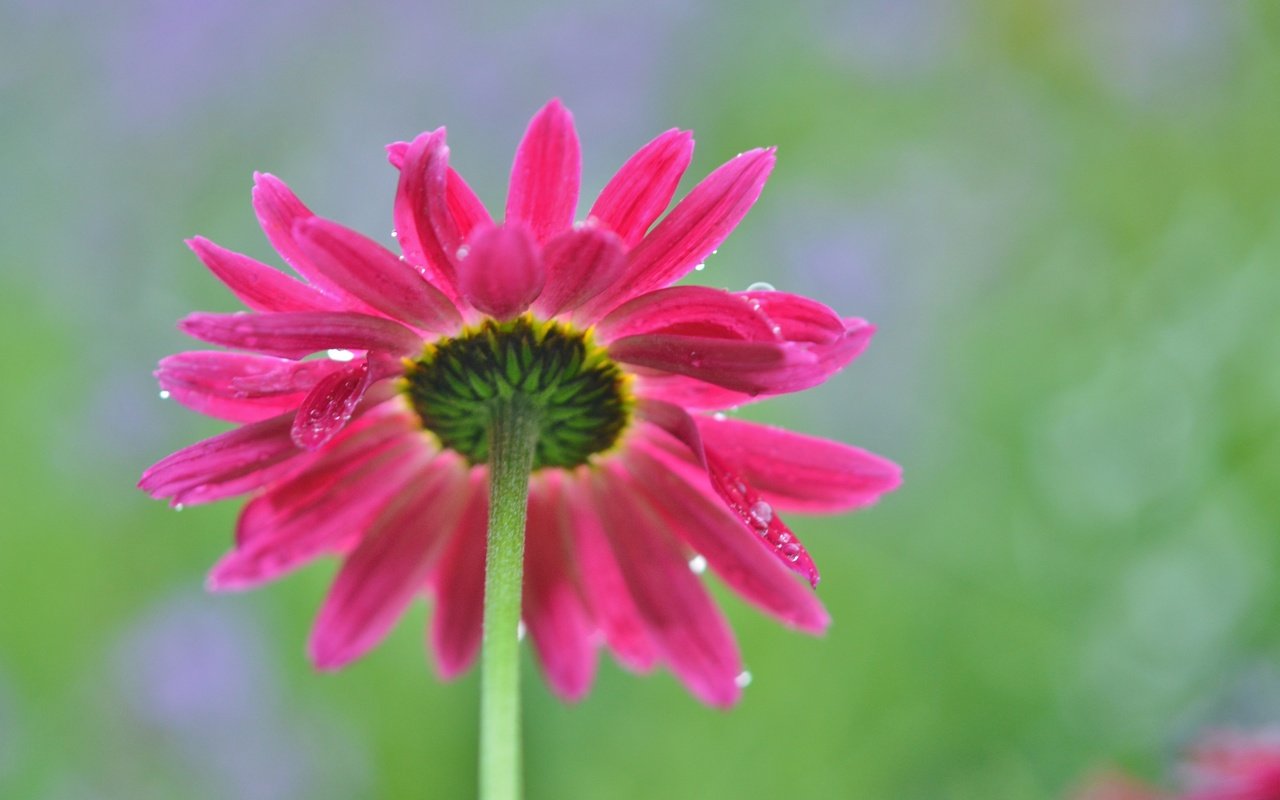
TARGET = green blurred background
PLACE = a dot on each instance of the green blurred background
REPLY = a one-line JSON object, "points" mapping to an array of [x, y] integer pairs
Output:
{"points": [[1064, 217]]}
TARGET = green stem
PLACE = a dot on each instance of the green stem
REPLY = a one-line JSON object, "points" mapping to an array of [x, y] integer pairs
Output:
{"points": [[513, 433]]}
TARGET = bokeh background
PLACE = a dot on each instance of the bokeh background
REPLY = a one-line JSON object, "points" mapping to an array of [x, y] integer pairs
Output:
{"points": [[1064, 217]]}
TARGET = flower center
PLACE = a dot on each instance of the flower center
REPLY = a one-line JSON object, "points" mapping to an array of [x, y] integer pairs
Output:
{"points": [[581, 398]]}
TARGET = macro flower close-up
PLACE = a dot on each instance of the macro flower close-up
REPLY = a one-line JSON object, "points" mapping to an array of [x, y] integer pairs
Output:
{"points": [[567, 335]]}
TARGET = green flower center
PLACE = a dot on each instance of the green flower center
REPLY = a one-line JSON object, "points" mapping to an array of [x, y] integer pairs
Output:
{"points": [[581, 398]]}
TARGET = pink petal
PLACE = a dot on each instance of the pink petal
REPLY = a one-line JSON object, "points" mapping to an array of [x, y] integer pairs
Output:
{"points": [[428, 232], [558, 624], [694, 228], [321, 510], [257, 285], [798, 318], [375, 275], [329, 405], [300, 333], [604, 588], [706, 526], [365, 443], [546, 174], [689, 631], [640, 191], [797, 472], [687, 310], [382, 575], [456, 625], [467, 210], [754, 512], [279, 210], [502, 273], [209, 381], [225, 465], [751, 367], [580, 264], [690, 393]]}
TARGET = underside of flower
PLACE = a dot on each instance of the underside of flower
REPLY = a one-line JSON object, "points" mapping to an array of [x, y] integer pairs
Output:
{"points": [[579, 396]]}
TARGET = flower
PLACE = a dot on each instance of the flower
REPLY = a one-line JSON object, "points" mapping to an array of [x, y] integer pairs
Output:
{"points": [[377, 453]]}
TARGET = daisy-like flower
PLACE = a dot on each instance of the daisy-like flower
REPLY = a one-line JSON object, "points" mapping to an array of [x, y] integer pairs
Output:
{"points": [[378, 451]]}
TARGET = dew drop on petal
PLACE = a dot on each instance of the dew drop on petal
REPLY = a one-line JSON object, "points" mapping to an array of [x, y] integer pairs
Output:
{"points": [[761, 286], [761, 514], [178, 506], [520, 631], [341, 355], [462, 252], [395, 234], [164, 394], [719, 416], [700, 267], [743, 680], [698, 564]]}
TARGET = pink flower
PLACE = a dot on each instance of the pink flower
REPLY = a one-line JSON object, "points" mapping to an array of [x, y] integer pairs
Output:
{"points": [[377, 453]]}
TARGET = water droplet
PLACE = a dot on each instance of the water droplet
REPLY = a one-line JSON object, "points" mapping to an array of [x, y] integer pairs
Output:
{"points": [[761, 286], [402, 258], [521, 630], [700, 267], [762, 513], [178, 506], [791, 551], [717, 250], [462, 252], [395, 234], [719, 416], [341, 355], [777, 329], [698, 564], [164, 394], [743, 680]]}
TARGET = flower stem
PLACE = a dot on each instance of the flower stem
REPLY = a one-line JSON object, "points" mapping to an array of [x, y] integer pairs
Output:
{"points": [[513, 433]]}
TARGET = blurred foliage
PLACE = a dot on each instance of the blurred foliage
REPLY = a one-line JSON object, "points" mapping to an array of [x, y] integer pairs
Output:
{"points": [[1064, 217]]}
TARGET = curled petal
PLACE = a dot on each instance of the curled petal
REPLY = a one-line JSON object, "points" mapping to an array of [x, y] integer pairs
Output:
{"points": [[798, 472], [558, 624], [580, 264], [694, 228], [329, 405], [707, 527], [387, 568], [257, 285], [640, 191], [370, 272], [546, 174], [468, 212], [502, 273], [300, 333], [456, 626], [740, 498], [688, 310], [689, 631], [428, 232]]}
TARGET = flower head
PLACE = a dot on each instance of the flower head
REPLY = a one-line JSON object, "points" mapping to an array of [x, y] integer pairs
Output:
{"points": [[377, 453]]}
